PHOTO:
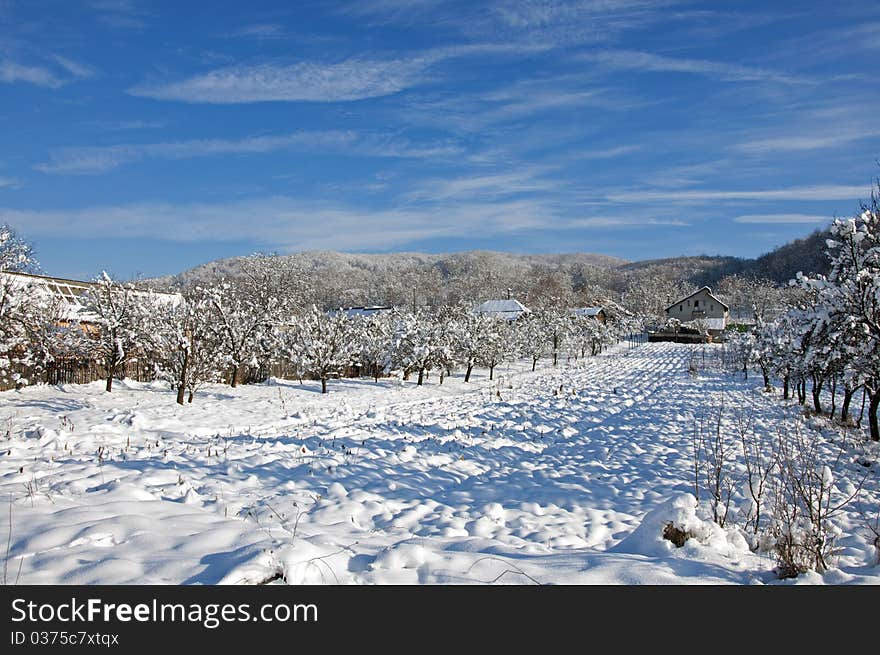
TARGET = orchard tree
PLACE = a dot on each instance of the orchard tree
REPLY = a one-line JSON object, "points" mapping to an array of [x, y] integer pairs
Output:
{"points": [[321, 344], [118, 316], [16, 254]]}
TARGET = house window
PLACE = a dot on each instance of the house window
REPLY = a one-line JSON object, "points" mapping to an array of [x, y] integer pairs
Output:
{"points": [[696, 303], [681, 308], [712, 307]]}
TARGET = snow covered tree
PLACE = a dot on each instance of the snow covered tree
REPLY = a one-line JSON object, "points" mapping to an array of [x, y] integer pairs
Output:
{"points": [[16, 254], [852, 295], [22, 312], [321, 344], [118, 315], [182, 343], [531, 337], [372, 336]]}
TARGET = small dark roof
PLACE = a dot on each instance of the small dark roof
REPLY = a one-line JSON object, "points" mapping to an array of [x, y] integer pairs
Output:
{"points": [[708, 291], [589, 311], [351, 312]]}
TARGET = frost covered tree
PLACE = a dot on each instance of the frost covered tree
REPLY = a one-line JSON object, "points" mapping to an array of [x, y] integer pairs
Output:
{"points": [[531, 337], [22, 312], [16, 254], [21, 307], [182, 343], [119, 318], [372, 337], [321, 344], [852, 295]]}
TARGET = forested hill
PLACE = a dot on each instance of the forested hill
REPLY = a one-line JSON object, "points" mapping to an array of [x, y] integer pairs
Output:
{"points": [[780, 265], [346, 278]]}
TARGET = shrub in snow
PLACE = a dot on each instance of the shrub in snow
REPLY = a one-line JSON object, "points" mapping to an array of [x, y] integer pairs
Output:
{"points": [[672, 524]]}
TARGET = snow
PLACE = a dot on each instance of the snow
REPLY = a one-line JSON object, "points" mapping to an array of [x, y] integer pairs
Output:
{"points": [[567, 475]]}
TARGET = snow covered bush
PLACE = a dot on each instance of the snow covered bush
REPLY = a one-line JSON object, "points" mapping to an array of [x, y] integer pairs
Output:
{"points": [[805, 501]]}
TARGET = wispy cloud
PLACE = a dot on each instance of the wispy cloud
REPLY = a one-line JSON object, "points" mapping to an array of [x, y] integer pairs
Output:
{"points": [[833, 136], [781, 218], [47, 76], [261, 31], [100, 159], [485, 187], [8, 183], [313, 82], [11, 72], [811, 193], [608, 153], [74, 68], [125, 14], [287, 223], [624, 221], [634, 60]]}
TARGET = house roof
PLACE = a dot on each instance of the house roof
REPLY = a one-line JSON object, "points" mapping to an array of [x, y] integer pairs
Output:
{"points": [[71, 292], [588, 311], [708, 291], [351, 312], [509, 309]]}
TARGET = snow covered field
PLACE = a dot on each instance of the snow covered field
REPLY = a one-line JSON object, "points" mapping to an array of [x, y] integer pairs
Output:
{"points": [[565, 475]]}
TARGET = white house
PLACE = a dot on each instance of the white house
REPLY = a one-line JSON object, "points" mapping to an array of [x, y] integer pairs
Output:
{"points": [[509, 309], [701, 305], [71, 294]]}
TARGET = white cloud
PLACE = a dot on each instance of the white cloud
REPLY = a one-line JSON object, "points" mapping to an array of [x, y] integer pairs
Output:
{"points": [[287, 223], [74, 68], [800, 142], [349, 80], [649, 62], [100, 159], [11, 72], [624, 221], [307, 81], [7, 183], [819, 192], [781, 218], [608, 153], [482, 186]]}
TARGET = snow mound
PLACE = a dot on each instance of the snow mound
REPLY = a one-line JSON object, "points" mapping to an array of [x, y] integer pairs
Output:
{"points": [[680, 514]]}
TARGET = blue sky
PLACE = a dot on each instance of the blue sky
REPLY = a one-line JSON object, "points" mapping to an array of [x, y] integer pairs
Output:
{"points": [[143, 138]]}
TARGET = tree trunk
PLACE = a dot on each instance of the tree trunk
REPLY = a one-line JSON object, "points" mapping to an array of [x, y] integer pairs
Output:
{"points": [[534, 363], [323, 384], [191, 394], [421, 376], [833, 396], [467, 375], [785, 381], [181, 390], [872, 414], [181, 384], [817, 390], [767, 386], [234, 382], [109, 381], [441, 376], [492, 372], [847, 399]]}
